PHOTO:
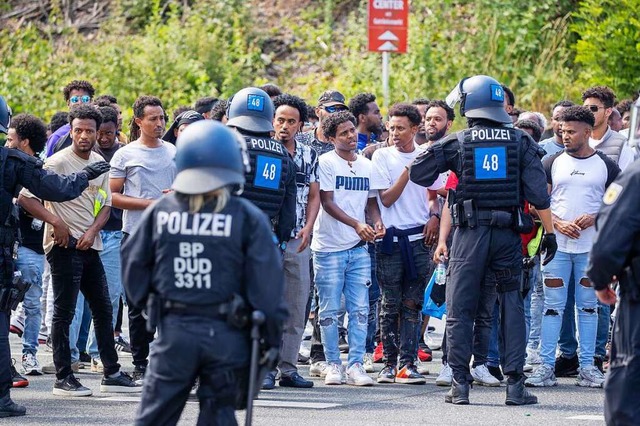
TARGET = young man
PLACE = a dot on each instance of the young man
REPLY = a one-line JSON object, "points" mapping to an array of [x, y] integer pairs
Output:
{"points": [[364, 108], [28, 134], [403, 260], [340, 257], [554, 143], [72, 243], [577, 181], [140, 173], [290, 116]]}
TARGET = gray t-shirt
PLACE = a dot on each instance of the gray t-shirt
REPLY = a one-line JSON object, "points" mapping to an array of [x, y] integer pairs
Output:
{"points": [[146, 172]]}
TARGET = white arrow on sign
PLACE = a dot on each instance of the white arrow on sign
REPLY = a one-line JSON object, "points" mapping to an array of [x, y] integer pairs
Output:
{"points": [[388, 36], [387, 46]]}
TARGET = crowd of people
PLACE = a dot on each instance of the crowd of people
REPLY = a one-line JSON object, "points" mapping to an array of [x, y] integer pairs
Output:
{"points": [[360, 239]]}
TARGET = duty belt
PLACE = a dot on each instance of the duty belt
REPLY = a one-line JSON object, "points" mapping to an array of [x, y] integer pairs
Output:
{"points": [[218, 311], [482, 218]]}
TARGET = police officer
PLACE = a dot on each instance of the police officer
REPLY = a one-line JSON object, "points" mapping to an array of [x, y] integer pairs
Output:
{"points": [[498, 168], [616, 254], [198, 255], [21, 170], [271, 182]]}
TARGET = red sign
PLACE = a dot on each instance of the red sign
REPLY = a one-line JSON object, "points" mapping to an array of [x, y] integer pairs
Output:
{"points": [[388, 25]]}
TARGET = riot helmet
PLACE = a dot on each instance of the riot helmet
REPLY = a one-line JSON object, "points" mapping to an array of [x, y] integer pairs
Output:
{"points": [[209, 156], [480, 96], [251, 109], [5, 116]]}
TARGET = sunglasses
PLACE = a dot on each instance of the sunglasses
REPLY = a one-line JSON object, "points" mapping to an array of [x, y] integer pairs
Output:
{"points": [[595, 108], [85, 99], [334, 108]]}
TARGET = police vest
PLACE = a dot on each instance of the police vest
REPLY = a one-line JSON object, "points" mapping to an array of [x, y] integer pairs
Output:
{"points": [[490, 167], [612, 145], [265, 183]]}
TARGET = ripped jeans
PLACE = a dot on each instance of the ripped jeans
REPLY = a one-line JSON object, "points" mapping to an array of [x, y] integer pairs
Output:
{"points": [[555, 300], [345, 272]]}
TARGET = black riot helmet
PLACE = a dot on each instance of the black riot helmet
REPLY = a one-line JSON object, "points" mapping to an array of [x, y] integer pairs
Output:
{"points": [[480, 96], [5, 116], [209, 156], [251, 109]]}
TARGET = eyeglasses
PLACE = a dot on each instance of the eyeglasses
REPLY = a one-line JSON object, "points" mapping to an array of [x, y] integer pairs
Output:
{"points": [[85, 99], [595, 108], [334, 108]]}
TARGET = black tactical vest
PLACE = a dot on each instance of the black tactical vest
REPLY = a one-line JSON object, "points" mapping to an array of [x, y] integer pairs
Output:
{"points": [[265, 183], [490, 167]]}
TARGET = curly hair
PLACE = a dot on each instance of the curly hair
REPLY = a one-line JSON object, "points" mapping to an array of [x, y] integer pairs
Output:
{"points": [[293, 102], [563, 103], [535, 128], [624, 106], [204, 105], [109, 114], [85, 112], [105, 100], [406, 110], [578, 113], [78, 85], [58, 120], [451, 115], [331, 123], [603, 93], [420, 101], [359, 104], [219, 110], [30, 127]]}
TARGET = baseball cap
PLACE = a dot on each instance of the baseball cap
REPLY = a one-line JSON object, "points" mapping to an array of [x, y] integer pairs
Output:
{"points": [[330, 98]]}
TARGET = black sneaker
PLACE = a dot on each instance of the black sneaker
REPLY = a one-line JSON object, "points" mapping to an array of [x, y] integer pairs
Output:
{"points": [[70, 386], [85, 357], [343, 344], [138, 376], [496, 372], [567, 367], [8, 408], [387, 374], [124, 383], [295, 381], [121, 344], [598, 361], [18, 381]]}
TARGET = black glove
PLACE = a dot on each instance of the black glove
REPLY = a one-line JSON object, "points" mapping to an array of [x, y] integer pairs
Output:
{"points": [[96, 169], [549, 246]]}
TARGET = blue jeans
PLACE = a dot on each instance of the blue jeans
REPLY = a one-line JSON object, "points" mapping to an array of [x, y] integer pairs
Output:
{"points": [[555, 301], [493, 356], [536, 304], [374, 299], [110, 257], [345, 272], [602, 336], [31, 265]]}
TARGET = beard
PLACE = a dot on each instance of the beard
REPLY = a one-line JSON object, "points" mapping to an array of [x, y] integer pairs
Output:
{"points": [[437, 136]]}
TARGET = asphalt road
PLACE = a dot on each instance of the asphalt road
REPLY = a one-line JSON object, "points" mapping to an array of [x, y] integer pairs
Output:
{"points": [[389, 404]]}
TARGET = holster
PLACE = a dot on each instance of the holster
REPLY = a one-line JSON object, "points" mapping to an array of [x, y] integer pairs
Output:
{"points": [[154, 312], [630, 283], [13, 294], [470, 213], [525, 281]]}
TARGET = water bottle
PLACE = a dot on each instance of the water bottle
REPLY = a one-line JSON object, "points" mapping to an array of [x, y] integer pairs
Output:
{"points": [[441, 272]]}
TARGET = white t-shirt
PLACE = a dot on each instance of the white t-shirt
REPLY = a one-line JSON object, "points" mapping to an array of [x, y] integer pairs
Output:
{"points": [[411, 209], [351, 186], [577, 188]]}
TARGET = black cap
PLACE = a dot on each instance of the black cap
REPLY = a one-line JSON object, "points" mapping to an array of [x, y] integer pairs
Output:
{"points": [[330, 98]]}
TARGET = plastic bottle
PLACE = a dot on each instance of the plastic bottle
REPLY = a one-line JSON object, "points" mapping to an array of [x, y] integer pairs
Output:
{"points": [[441, 272]]}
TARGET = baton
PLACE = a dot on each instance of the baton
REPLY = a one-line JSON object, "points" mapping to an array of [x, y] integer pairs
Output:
{"points": [[257, 319]]}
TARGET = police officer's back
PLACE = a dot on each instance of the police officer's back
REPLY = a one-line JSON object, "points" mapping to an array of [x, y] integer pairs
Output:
{"points": [[498, 168], [17, 170], [198, 256], [270, 182], [616, 253]]}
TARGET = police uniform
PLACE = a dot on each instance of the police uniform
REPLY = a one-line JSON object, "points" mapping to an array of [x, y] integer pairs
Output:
{"points": [[616, 252], [498, 167], [271, 183], [194, 271], [21, 170]]}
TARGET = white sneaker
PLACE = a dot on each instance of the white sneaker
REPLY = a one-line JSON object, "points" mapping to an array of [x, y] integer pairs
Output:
{"points": [[445, 376], [590, 377], [533, 359], [422, 367], [368, 363], [356, 376], [334, 373], [318, 369], [544, 376], [482, 377], [30, 365]]}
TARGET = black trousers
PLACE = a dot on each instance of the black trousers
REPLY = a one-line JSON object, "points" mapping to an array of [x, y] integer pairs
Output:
{"points": [[139, 337], [73, 271], [5, 356], [622, 386], [190, 347], [481, 260]]}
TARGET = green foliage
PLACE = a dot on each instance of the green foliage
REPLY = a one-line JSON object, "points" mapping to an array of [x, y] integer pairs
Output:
{"points": [[609, 44]]}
